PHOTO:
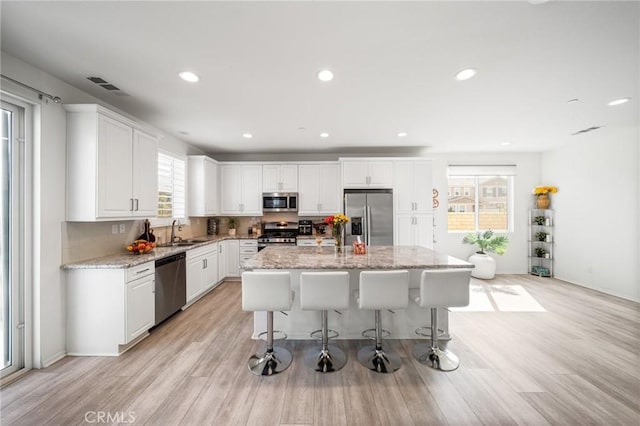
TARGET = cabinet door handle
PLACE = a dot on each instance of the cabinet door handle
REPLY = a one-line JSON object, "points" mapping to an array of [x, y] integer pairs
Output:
{"points": [[153, 286], [131, 209], [143, 271], [137, 202]]}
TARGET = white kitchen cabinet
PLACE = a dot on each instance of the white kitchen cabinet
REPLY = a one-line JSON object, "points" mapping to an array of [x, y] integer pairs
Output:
{"points": [[413, 189], [222, 261], [279, 178], [202, 270], [108, 310], [203, 186], [414, 230], [112, 166], [241, 189], [246, 250], [364, 173], [319, 189], [311, 242], [232, 248]]}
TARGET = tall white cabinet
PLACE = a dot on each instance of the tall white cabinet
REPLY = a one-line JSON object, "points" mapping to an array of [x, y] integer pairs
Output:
{"points": [[413, 203], [112, 166], [241, 189], [203, 186], [319, 189]]}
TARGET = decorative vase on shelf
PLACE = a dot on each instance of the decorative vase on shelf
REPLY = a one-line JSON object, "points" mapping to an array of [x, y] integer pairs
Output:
{"points": [[337, 233], [543, 201]]}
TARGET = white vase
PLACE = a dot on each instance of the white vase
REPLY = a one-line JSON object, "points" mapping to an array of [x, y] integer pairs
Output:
{"points": [[485, 266], [232, 232]]}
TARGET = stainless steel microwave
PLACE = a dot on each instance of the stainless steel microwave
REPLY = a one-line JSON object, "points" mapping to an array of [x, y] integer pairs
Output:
{"points": [[280, 202]]}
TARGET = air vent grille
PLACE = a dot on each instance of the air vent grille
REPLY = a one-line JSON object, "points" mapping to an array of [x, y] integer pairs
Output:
{"points": [[107, 86]]}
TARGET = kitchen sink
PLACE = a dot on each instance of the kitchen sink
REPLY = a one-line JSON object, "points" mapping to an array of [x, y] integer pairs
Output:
{"points": [[182, 243]]}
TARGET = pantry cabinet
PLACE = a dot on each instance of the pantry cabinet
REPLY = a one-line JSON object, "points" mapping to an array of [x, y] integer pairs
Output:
{"points": [[366, 173], [319, 189], [203, 186], [279, 178], [414, 230], [109, 309], [241, 189], [413, 189], [112, 166]]}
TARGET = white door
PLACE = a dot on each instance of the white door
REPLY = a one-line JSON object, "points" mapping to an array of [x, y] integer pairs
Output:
{"points": [[231, 189], [355, 174], [140, 307], [195, 277], [289, 178], [222, 260], [115, 165], [330, 194], [251, 190], [210, 187], [12, 227], [233, 258], [308, 187], [404, 187], [423, 186], [405, 228], [424, 230], [211, 269], [270, 178], [380, 174]]}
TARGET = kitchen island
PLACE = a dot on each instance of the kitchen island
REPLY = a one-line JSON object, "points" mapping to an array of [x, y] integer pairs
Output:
{"points": [[402, 324]]}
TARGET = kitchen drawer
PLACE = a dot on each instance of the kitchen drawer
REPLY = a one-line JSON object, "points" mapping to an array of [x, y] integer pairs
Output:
{"points": [[140, 271], [249, 243], [201, 251], [248, 250], [306, 242]]}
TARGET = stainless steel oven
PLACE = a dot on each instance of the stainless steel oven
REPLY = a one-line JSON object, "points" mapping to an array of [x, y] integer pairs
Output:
{"points": [[280, 202], [278, 233]]}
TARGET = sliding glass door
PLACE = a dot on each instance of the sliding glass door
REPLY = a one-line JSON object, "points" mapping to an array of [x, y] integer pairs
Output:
{"points": [[11, 239]]}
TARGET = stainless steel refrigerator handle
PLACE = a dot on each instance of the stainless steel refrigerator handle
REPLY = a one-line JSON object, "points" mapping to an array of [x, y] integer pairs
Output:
{"points": [[368, 236]]}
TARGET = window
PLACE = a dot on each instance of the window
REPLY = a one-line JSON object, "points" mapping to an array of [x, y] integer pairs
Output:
{"points": [[487, 200], [171, 187]]}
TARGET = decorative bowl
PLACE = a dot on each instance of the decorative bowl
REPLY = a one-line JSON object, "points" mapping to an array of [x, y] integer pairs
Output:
{"points": [[140, 247]]}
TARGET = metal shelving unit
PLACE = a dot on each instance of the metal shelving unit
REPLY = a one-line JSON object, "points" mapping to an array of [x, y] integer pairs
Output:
{"points": [[541, 237]]}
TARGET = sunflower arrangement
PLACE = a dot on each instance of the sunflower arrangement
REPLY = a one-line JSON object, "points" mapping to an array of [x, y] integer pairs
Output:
{"points": [[544, 190]]}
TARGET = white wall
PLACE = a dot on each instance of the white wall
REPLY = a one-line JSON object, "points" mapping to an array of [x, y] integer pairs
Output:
{"points": [[514, 261], [597, 210]]}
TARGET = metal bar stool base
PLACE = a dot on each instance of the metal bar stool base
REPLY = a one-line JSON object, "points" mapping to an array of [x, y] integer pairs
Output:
{"points": [[378, 360], [434, 357], [270, 362], [325, 361]]}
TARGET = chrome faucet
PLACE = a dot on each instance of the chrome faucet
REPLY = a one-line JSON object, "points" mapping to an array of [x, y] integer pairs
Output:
{"points": [[173, 231]]}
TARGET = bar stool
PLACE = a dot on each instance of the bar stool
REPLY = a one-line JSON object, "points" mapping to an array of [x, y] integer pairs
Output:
{"points": [[321, 291], [440, 289], [268, 291], [381, 290]]}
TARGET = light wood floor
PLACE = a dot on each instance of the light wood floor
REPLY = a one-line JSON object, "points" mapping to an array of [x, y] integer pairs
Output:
{"points": [[574, 363]]}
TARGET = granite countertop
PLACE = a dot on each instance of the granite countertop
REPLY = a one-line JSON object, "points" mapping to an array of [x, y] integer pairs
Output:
{"points": [[125, 259], [378, 257]]}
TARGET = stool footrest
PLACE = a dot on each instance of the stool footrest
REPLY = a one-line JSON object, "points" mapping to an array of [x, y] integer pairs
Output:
{"points": [[317, 334], [277, 335], [370, 333], [426, 331]]}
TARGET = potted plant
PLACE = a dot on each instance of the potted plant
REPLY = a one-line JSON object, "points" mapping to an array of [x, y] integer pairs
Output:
{"points": [[541, 236], [485, 265], [232, 224], [539, 251], [539, 220]]}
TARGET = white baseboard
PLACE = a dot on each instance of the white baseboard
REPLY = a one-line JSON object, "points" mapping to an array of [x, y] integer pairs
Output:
{"points": [[55, 358]]}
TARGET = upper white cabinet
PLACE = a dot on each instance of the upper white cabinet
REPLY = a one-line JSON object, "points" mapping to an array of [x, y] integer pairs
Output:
{"points": [[112, 166], [319, 189], [364, 173], [413, 189], [279, 178], [241, 189], [203, 186]]}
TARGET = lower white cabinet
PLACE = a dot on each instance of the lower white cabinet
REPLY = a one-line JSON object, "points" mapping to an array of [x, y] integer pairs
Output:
{"points": [[246, 250], [202, 270], [107, 309], [414, 230], [232, 257]]}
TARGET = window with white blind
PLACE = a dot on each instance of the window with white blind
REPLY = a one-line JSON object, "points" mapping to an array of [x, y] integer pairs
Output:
{"points": [[171, 187], [487, 202]]}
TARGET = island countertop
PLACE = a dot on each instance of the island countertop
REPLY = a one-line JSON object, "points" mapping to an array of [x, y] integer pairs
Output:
{"points": [[377, 257]]}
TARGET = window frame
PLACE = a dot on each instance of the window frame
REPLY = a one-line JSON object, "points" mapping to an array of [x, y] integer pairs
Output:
{"points": [[166, 221]]}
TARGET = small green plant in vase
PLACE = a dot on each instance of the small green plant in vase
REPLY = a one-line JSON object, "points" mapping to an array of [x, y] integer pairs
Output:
{"points": [[539, 220], [541, 236], [539, 251], [232, 224], [485, 265]]}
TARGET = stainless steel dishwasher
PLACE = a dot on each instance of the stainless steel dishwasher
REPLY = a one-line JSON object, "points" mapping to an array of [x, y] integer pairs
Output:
{"points": [[171, 286]]}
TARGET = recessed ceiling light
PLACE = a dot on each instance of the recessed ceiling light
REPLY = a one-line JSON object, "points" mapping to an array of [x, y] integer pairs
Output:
{"points": [[466, 74], [505, 143], [325, 75], [572, 101], [619, 101], [402, 134], [324, 135], [247, 135], [188, 76]]}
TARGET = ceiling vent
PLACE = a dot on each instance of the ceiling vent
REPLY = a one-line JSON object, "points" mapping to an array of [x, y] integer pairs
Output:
{"points": [[587, 130], [107, 86]]}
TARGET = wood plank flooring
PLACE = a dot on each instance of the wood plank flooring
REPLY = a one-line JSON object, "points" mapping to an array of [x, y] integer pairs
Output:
{"points": [[573, 362]]}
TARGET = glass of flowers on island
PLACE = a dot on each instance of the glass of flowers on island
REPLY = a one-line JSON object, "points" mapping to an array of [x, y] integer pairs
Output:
{"points": [[337, 222]]}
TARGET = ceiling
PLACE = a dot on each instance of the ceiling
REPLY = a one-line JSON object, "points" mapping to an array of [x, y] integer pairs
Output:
{"points": [[394, 66]]}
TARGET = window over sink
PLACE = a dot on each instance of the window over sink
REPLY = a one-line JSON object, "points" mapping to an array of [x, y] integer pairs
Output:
{"points": [[171, 188]]}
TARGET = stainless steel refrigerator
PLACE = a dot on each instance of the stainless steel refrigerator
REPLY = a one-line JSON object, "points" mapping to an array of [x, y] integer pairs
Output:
{"points": [[370, 215]]}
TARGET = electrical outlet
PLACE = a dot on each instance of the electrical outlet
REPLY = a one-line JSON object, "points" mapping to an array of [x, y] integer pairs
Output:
{"points": [[123, 228], [114, 228]]}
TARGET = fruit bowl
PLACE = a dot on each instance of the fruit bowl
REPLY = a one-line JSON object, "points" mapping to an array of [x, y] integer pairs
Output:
{"points": [[140, 247]]}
